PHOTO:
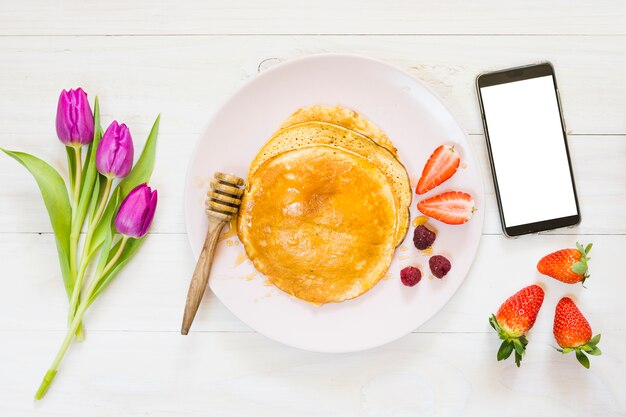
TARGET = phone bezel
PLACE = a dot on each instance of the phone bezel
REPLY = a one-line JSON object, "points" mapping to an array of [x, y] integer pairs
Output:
{"points": [[519, 74]]}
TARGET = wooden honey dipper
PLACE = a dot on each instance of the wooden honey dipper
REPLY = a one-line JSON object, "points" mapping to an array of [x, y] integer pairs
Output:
{"points": [[224, 199]]}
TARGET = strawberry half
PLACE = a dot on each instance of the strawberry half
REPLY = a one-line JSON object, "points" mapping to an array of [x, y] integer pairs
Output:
{"points": [[452, 207], [514, 318], [573, 332], [441, 165], [567, 265]]}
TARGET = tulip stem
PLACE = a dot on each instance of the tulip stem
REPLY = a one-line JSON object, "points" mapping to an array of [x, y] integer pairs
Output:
{"points": [[85, 258], [47, 380], [71, 332], [103, 202], [115, 257], [79, 174], [75, 228], [78, 283]]}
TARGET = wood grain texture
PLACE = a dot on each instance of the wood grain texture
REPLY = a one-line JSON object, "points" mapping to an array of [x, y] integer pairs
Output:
{"points": [[244, 374], [150, 294], [598, 162], [166, 17], [183, 60], [186, 78]]}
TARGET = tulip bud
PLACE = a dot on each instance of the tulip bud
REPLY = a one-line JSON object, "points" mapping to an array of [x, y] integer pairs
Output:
{"points": [[74, 118], [136, 212], [114, 156]]}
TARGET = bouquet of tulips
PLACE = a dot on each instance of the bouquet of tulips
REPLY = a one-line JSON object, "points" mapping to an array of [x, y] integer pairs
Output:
{"points": [[109, 198]]}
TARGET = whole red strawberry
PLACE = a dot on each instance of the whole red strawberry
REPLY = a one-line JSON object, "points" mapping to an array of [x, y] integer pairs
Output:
{"points": [[567, 265], [573, 332], [514, 318]]}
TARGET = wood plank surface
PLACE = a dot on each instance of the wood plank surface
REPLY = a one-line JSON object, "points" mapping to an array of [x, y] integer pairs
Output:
{"points": [[129, 374], [167, 17], [186, 78], [598, 162], [183, 60], [150, 294]]}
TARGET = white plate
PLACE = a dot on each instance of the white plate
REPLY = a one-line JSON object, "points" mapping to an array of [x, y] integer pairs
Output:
{"points": [[415, 120]]}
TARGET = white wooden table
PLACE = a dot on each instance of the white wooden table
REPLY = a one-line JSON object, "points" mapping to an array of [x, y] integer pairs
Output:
{"points": [[183, 59]]}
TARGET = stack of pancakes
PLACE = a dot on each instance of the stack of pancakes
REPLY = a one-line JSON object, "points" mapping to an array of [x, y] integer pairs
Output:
{"points": [[326, 204]]}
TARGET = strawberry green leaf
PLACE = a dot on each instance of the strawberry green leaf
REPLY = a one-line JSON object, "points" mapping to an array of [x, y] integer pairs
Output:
{"points": [[588, 248], [595, 351], [579, 267], [518, 358], [494, 323], [580, 248], [566, 350], [594, 340], [506, 348], [582, 358], [519, 347], [56, 199]]}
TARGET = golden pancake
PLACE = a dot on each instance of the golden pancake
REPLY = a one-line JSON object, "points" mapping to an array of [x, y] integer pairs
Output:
{"points": [[344, 117], [313, 133], [319, 222]]}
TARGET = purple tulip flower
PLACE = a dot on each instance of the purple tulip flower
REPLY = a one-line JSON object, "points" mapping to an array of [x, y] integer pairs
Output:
{"points": [[136, 212], [114, 156], [74, 118]]}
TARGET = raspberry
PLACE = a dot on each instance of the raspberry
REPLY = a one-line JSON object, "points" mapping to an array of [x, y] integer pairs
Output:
{"points": [[423, 237], [410, 276], [439, 266]]}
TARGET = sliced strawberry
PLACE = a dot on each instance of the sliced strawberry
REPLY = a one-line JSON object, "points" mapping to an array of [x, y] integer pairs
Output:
{"points": [[452, 207], [441, 165]]}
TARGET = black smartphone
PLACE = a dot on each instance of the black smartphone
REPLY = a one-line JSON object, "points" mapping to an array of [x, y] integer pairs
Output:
{"points": [[527, 143]]}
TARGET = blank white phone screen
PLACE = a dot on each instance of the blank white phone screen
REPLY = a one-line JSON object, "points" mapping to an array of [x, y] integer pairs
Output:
{"points": [[528, 151]]}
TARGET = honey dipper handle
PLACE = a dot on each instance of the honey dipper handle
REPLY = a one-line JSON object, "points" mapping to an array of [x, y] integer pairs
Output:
{"points": [[201, 273]]}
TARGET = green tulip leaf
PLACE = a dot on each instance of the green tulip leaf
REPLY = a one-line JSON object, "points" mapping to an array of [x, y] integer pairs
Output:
{"points": [[95, 198], [106, 241], [141, 172], [132, 246], [102, 231], [104, 255], [89, 174], [55, 197]]}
